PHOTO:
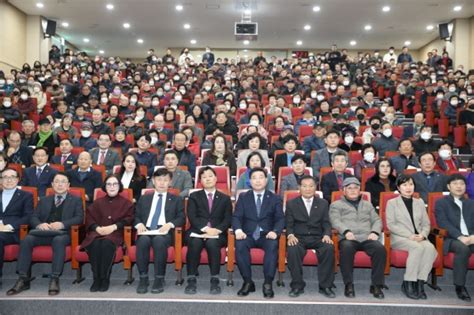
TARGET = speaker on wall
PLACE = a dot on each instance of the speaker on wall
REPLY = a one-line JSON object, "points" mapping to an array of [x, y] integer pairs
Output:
{"points": [[444, 31], [50, 28]]}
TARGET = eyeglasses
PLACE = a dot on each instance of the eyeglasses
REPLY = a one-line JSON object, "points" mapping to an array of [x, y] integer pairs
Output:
{"points": [[112, 184], [7, 178]]}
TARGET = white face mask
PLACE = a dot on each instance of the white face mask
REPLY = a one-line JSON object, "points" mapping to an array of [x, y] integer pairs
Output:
{"points": [[166, 87], [345, 102], [36, 89], [104, 100], [369, 157], [320, 97], [254, 123], [345, 82], [454, 103], [326, 86], [425, 135], [383, 109], [86, 133], [440, 96], [24, 97], [349, 139], [243, 106], [387, 132], [207, 88], [2, 82], [9, 81], [133, 100], [178, 98], [7, 104], [445, 154], [333, 87], [155, 102], [314, 94], [174, 106], [182, 91], [296, 100], [154, 140], [353, 108], [452, 89], [159, 93]]}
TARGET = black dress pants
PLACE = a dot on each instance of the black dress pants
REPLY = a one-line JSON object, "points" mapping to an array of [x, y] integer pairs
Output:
{"points": [[101, 256], [159, 244], [193, 256]]}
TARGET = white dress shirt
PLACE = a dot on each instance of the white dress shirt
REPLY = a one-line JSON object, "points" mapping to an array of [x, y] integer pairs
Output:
{"points": [[161, 219], [126, 179], [308, 204], [462, 224]]}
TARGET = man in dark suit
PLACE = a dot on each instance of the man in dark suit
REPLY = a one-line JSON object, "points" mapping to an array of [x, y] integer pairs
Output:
{"points": [[66, 158], [103, 155], [210, 213], [84, 176], [428, 180], [332, 181], [455, 213], [51, 222], [161, 212], [290, 181], [258, 220], [159, 124], [18, 153], [16, 207], [41, 175], [186, 157], [182, 180], [406, 158], [308, 227], [413, 130], [323, 156], [144, 156]]}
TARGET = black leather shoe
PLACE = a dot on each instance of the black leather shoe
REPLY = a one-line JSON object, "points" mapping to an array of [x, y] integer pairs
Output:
{"points": [[95, 285], [421, 290], [215, 286], [295, 292], [21, 285], [409, 290], [376, 291], [247, 287], [462, 293], [158, 286], [268, 291], [104, 285], [191, 288], [327, 292], [143, 285], [349, 290], [53, 286]]}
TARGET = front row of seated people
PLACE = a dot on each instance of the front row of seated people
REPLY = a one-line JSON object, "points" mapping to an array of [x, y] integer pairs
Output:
{"points": [[258, 221]]}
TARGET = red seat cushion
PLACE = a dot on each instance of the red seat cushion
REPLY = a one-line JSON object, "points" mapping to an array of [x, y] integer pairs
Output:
{"points": [[204, 258], [132, 254], [399, 259], [257, 255], [310, 259], [83, 257], [362, 260], [45, 254], [10, 252], [449, 261]]}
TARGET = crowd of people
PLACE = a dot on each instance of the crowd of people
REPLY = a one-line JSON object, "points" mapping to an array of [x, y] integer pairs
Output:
{"points": [[330, 122]]}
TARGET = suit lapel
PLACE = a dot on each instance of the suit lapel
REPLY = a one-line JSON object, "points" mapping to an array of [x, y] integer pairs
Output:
{"points": [[15, 197], [301, 205]]}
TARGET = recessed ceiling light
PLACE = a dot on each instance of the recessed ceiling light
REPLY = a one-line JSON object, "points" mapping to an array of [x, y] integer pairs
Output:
{"points": [[247, 12], [187, 26], [65, 24], [109, 6], [193, 41], [386, 8], [430, 27], [140, 41], [316, 8], [353, 43], [101, 52], [407, 43], [40, 5], [457, 8], [299, 43], [246, 42], [307, 27], [368, 27], [245, 50], [126, 25], [86, 40], [179, 7]]}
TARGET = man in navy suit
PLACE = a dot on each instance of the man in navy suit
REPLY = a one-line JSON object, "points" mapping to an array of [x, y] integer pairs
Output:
{"points": [[455, 213], [428, 180], [84, 176], [66, 158], [16, 207], [258, 220], [41, 175]]}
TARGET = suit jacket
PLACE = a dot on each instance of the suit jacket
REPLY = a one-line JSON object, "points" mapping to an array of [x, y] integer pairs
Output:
{"points": [[443, 166], [421, 184], [174, 210], [399, 163], [243, 155], [288, 182], [321, 159], [22, 156], [29, 179], [448, 216], [399, 222], [137, 184], [271, 214], [86, 143], [50, 143], [92, 181], [182, 180], [188, 159], [329, 184], [299, 223], [281, 160], [18, 211], [111, 159], [73, 212], [199, 214], [68, 163]]}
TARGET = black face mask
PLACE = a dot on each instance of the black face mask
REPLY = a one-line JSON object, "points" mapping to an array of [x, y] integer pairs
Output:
{"points": [[335, 115], [360, 116], [55, 86], [471, 106], [375, 126]]}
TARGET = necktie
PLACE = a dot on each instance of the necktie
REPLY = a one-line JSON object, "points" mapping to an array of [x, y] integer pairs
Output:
{"points": [[339, 181], [429, 180], [63, 158], [101, 157], [38, 172], [156, 216], [256, 233], [209, 203], [308, 206], [59, 200]]}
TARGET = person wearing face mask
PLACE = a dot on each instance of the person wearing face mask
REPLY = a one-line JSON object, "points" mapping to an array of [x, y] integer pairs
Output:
{"points": [[390, 55], [372, 132], [25, 104], [425, 141], [37, 92], [8, 113], [256, 120], [451, 110], [446, 161], [386, 142], [360, 113], [349, 144], [185, 55], [308, 119], [85, 140], [466, 118], [131, 127], [297, 102], [208, 58]]}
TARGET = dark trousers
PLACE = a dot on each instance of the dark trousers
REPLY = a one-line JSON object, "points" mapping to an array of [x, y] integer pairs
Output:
{"points": [[462, 253], [193, 256], [58, 244], [101, 256], [376, 251], [325, 254], [160, 244], [242, 253], [5, 239]]}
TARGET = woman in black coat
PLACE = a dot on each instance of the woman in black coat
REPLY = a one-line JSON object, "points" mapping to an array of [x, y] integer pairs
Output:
{"points": [[130, 176], [220, 154], [382, 181]]}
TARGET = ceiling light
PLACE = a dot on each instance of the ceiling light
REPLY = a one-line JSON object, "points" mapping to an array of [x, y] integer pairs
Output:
{"points": [[109, 6], [246, 42], [101, 52], [316, 8], [126, 25], [430, 27], [140, 41], [368, 27], [40, 5], [307, 27], [353, 43], [457, 8], [247, 12], [193, 41], [245, 50], [65, 24], [179, 7], [187, 26], [407, 43], [299, 43], [386, 8], [86, 40]]}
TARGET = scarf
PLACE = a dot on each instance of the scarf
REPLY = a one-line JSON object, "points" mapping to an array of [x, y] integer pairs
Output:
{"points": [[43, 136]]}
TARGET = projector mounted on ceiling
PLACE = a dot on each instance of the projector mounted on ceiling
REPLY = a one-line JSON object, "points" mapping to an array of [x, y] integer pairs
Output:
{"points": [[246, 30]]}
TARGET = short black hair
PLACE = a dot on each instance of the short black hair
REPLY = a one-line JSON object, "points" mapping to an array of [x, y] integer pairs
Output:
{"points": [[456, 176], [426, 153], [61, 174], [204, 169], [288, 138], [403, 178], [171, 151], [333, 131], [162, 172], [66, 139], [41, 148], [107, 178], [445, 142], [251, 155], [297, 157], [257, 169], [304, 177]]}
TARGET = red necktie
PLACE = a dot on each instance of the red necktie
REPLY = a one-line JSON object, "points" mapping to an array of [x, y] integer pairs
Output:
{"points": [[339, 180], [101, 157], [209, 203], [63, 158]]}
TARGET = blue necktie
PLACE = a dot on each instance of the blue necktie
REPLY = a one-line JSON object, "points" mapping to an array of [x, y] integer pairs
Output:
{"points": [[38, 172], [256, 233], [156, 216]]}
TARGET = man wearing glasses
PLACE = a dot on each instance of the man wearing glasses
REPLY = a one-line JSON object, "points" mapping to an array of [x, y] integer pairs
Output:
{"points": [[16, 207]]}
